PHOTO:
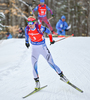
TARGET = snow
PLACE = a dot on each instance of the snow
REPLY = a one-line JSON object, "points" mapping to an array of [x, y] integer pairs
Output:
{"points": [[72, 55]]}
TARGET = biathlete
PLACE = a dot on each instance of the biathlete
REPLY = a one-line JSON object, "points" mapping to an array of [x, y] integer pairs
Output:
{"points": [[35, 32], [42, 8]]}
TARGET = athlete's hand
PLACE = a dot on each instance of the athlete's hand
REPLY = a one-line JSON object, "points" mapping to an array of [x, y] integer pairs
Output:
{"points": [[27, 44], [66, 29], [52, 15], [52, 42]]}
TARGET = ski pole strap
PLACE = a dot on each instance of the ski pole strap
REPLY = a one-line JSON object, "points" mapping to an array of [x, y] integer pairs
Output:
{"points": [[37, 27]]}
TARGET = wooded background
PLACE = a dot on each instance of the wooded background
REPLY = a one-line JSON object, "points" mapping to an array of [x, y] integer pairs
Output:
{"points": [[77, 14]]}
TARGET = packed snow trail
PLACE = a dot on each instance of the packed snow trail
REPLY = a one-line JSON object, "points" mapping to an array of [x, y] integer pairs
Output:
{"points": [[72, 55]]}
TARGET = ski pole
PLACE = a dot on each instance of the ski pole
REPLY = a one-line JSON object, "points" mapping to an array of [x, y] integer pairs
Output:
{"points": [[20, 11], [29, 5], [60, 39], [50, 18]]}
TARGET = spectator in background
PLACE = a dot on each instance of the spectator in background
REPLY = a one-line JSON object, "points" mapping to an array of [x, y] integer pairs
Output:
{"points": [[62, 26], [21, 33], [8, 35]]}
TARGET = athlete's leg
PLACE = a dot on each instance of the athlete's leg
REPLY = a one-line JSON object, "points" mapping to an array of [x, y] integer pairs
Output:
{"points": [[47, 55], [47, 23], [34, 60], [40, 20]]}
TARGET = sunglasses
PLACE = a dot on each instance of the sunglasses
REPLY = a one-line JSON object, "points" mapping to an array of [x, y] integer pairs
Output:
{"points": [[31, 22]]}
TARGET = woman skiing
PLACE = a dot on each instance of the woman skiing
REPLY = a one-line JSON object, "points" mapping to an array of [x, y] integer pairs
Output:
{"points": [[35, 32]]}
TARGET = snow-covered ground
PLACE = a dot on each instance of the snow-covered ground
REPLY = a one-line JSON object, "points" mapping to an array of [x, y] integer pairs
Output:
{"points": [[72, 55]]}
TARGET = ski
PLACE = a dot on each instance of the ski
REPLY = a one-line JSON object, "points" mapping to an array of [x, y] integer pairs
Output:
{"points": [[69, 83], [64, 38], [74, 86], [34, 91]]}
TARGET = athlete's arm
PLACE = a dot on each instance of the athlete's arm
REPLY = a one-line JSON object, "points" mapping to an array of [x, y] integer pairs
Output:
{"points": [[26, 38], [35, 9], [26, 35], [49, 9]]}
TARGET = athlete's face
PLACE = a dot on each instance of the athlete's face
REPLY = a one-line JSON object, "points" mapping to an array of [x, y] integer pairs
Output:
{"points": [[41, 3], [32, 25], [63, 20]]}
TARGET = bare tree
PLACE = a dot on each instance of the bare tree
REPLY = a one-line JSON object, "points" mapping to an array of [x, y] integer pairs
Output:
{"points": [[77, 14], [88, 20]]}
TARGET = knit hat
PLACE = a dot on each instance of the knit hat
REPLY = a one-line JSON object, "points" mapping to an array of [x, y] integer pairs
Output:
{"points": [[31, 18], [42, 1], [63, 17]]}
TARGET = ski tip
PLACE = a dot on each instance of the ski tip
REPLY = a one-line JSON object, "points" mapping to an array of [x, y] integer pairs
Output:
{"points": [[34, 91], [81, 91], [61, 36], [23, 97], [72, 34]]}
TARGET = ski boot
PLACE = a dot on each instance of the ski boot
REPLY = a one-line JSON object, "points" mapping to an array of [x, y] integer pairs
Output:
{"points": [[63, 78], [37, 83]]}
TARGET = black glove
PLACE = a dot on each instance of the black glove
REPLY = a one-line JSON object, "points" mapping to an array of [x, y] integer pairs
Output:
{"points": [[27, 44], [60, 31], [66, 29], [52, 42], [52, 15]]}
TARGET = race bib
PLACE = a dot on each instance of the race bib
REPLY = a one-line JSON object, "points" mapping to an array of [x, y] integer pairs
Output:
{"points": [[61, 25]]}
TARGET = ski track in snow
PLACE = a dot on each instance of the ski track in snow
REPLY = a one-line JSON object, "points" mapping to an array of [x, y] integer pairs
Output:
{"points": [[72, 55]]}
